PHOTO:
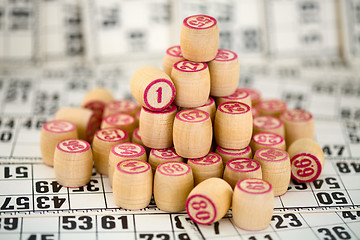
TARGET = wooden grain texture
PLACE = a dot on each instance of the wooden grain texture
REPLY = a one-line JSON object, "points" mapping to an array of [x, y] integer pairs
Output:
{"points": [[156, 128], [52, 132], [206, 167], [159, 156], [275, 167], [229, 154], [271, 107], [124, 151], [209, 201], [121, 106], [199, 38], [152, 88], [85, 120], [298, 124], [172, 184], [241, 168], [104, 140], [307, 160], [224, 73], [268, 124], [122, 121], [239, 95], [132, 184], [172, 55], [192, 83], [96, 99], [192, 133], [73, 162], [233, 125], [252, 204], [267, 139]]}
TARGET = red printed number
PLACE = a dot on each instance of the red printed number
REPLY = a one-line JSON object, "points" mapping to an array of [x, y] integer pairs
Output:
{"points": [[306, 170], [201, 215], [173, 168], [191, 115], [200, 21], [73, 145]]}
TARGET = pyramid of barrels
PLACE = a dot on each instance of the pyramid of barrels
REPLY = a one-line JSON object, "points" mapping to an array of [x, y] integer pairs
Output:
{"points": [[194, 140]]}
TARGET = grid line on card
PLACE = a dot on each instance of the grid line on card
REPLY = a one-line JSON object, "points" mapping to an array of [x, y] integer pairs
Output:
{"points": [[32, 187], [134, 222], [104, 194], [337, 213]]}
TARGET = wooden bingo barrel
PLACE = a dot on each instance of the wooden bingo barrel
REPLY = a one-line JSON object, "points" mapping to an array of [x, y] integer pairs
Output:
{"points": [[275, 166], [271, 107], [252, 204], [85, 120], [268, 124], [172, 184], [152, 88], [104, 140], [121, 106], [298, 124], [132, 184], [172, 55], [229, 154], [136, 138], [209, 201], [210, 108], [96, 99], [192, 83], [241, 168], [156, 128], [73, 162], [158, 156], [224, 72], [53, 132], [122, 121], [307, 160], [233, 125], [240, 95], [267, 139], [124, 151], [206, 167], [255, 96], [192, 133], [199, 38]]}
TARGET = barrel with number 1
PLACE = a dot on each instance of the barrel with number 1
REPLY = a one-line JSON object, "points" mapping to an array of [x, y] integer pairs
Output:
{"points": [[152, 88]]}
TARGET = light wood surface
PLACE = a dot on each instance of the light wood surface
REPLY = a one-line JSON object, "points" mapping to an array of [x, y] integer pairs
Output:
{"points": [[233, 125], [85, 120], [229, 154], [104, 140], [252, 204], [268, 124], [158, 156], [156, 128], [172, 184], [307, 160], [224, 73], [209, 201], [152, 88], [124, 151], [275, 167], [172, 55], [121, 106], [122, 121], [192, 133], [241, 168], [206, 167], [199, 38], [192, 83], [271, 107], [52, 132], [267, 139], [239, 95], [132, 184], [298, 124], [73, 162]]}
